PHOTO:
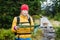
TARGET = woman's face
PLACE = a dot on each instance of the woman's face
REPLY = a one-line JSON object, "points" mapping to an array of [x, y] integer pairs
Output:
{"points": [[24, 12]]}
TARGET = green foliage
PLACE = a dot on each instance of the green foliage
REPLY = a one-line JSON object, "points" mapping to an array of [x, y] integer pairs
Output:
{"points": [[6, 34], [36, 17], [58, 33], [57, 17]]}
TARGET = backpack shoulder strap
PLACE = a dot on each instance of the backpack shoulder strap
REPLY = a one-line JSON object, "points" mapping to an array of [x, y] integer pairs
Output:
{"points": [[18, 20], [29, 21]]}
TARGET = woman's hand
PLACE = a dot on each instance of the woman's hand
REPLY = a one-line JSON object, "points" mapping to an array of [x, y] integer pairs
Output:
{"points": [[16, 27]]}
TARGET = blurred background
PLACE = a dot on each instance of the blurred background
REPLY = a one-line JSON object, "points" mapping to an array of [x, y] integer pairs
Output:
{"points": [[11, 8]]}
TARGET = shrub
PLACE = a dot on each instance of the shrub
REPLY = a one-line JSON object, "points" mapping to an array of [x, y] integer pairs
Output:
{"points": [[58, 33], [6, 34], [57, 17]]}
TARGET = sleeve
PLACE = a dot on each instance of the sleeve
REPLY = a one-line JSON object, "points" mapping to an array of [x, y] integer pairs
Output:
{"points": [[14, 24]]}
